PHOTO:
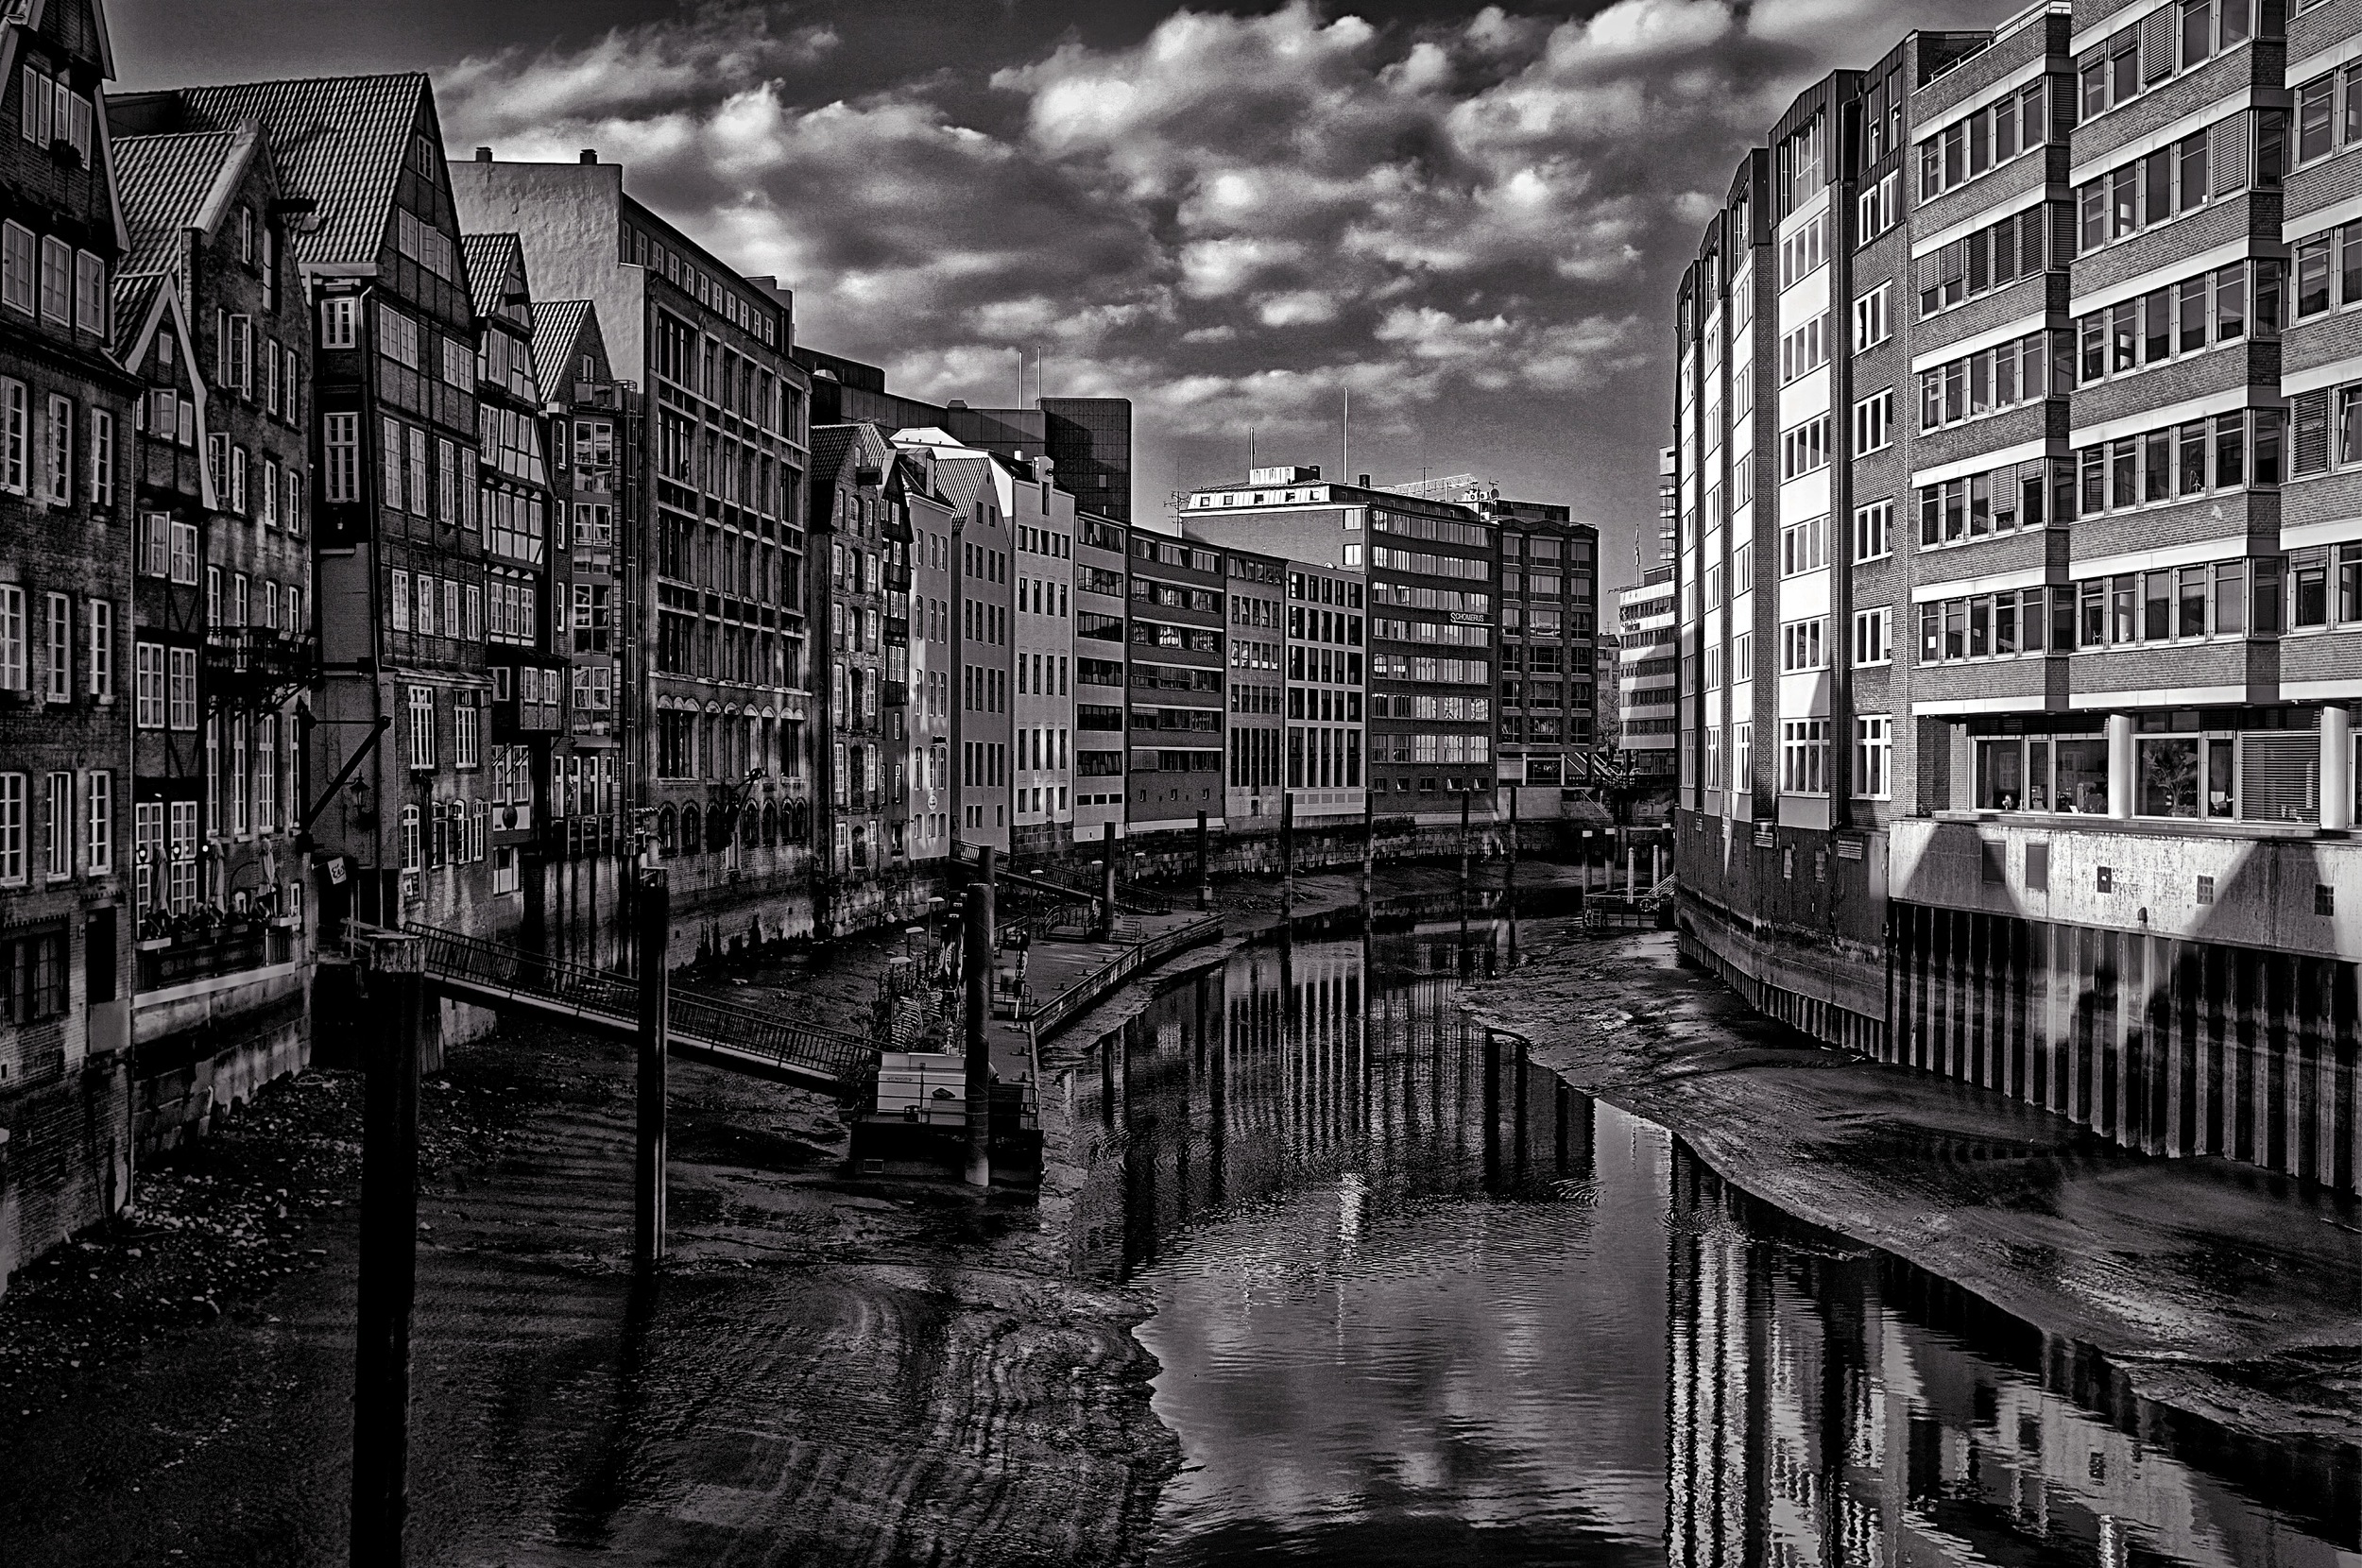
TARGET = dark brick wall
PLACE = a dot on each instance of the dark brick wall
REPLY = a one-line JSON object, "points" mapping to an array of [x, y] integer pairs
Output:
{"points": [[2017, 551], [2327, 497]]}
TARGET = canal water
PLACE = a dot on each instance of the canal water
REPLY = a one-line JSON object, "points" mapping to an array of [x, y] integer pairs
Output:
{"points": [[1417, 1302]]}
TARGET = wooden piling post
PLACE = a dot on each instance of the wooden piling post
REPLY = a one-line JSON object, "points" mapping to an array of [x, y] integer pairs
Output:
{"points": [[1205, 867], [1369, 858], [978, 942], [1466, 798], [398, 1019], [652, 914], [1287, 856], [1107, 882]]}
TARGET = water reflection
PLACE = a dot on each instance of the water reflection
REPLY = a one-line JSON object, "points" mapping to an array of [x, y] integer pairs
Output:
{"points": [[1420, 1303]]}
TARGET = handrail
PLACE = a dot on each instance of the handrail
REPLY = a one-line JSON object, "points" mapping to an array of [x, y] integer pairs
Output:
{"points": [[691, 1014], [1061, 1009]]}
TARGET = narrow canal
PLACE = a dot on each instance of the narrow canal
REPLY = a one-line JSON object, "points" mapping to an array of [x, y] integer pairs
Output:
{"points": [[1417, 1302]]}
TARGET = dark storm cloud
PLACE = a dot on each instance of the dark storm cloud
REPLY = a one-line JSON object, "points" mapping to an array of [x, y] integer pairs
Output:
{"points": [[1474, 221]]}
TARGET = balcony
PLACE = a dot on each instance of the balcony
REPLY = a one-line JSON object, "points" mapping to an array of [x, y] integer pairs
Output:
{"points": [[254, 668], [204, 953]]}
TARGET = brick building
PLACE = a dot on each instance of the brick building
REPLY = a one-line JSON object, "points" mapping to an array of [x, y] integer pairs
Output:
{"points": [[1429, 589], [858, 527], [211, 317], [2014, 521], [582, 850], [400, 566], [1102, 603], [66, 511]]}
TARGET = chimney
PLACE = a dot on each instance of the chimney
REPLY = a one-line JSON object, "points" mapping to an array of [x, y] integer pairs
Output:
{"points": [[1365, 482], [484, 155], [590, 155]]}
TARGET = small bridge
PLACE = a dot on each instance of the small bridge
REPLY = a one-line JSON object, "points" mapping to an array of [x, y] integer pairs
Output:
{"points": [[699, 1029]]}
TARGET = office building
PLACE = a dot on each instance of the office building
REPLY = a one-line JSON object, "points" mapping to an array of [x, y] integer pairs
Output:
{"points": [[1174, 708], [1087, 440], [717, 585], [1429, 592], [1326, 649], [1259, 736], [1102, 605], [1645, 708], [2012, 521]]}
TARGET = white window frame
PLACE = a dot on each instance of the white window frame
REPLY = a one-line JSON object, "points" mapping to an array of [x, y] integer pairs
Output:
{"points": [[1874, 637], [98, 822], [1874, 756]]}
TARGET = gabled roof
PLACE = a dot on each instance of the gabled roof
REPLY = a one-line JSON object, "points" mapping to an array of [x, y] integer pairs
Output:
{"points": [[556, 325], [134, 302], [339, 140], [831, 445], [495, 264], [170, 184]]}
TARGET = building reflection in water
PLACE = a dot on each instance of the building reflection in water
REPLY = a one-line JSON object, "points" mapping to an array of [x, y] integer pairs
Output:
{"points": [[1395, 1328], [1830, 1404]]}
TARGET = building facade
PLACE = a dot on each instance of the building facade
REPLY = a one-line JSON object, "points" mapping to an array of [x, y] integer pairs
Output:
{"points": [[2012, 518], [209, 316], [716, 576], [1259, 691], [1327, 684], [860, 734], [1102, 607], [67, 502], [1644, 711], [584, 846], [1175, 705], [1431, 589]]}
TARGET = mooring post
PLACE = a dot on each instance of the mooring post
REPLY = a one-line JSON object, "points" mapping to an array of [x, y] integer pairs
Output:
{"points": [[1632, 870], [398, 1019], [1205, 867], [1287, 856], [978, 958], [1107, 882], [652, 912], [1369, 858], [1466, 798], [1509, 880]]}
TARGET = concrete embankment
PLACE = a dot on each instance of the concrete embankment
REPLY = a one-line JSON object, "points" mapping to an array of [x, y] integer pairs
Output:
{"points": [[2215, 1286]]}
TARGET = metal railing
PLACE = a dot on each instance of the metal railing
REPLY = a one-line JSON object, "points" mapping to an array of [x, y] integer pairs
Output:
{"points": [[1062, 1009], [615, 1000]]}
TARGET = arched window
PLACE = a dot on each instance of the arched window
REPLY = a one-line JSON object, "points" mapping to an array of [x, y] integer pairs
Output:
{"points": [[770, 823], [690, 843], [664, 834]]}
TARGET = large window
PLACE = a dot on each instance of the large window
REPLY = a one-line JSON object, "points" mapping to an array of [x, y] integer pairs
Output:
{"points": [[1804, 449], [2219, 160], [2221, 306], [1874, 755], [1805, 757], [2020, 495], [1983, 141], [1991, 379], [2020, 245]]}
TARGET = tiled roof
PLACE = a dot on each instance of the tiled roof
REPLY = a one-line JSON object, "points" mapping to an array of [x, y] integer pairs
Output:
{"points": [[490, 259], [555, 325], [339, 140], [133, 296], [163, 182], [830, 445]]}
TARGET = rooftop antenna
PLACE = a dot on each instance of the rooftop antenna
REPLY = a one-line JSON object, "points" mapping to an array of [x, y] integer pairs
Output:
{"points": [[1347, 467], [1020, 378]]}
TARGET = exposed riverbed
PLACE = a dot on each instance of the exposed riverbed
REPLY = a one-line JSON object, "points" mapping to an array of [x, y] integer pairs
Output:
{"points": [[1282, 1299]]}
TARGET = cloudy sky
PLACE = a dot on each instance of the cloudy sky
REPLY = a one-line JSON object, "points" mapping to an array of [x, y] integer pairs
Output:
{"points": [[1471, 217]]}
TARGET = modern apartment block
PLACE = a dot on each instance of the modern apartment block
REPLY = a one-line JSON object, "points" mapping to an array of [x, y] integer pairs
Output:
{"points": [[1102, 607], [1261, 688], [1327, 684], [1429, 592], [718, 590], [1644, 676], [1549, 623], [2016, 613], [1175, 704]]}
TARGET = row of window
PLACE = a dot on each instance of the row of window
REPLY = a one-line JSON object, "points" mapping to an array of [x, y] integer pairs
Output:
{"points": [[44, 276], [272, 497], [2329, 114], [1446, 672], [2221, 161], [231, 601], [2168, 40], [2222, 306], [235, 356], [62, 808], [2016, 123], [1986, 381], [58, 640], [1999, 254]]}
